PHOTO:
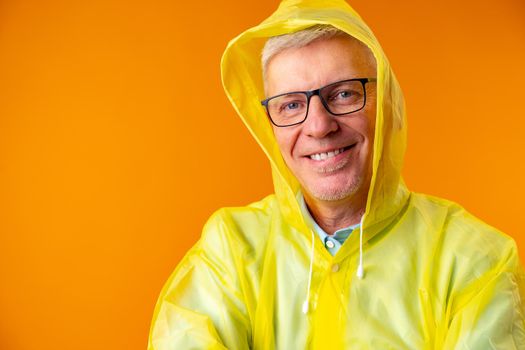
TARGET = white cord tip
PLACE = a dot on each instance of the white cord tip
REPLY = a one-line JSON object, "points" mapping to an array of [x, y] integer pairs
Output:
{"points": [[360, 271], [306, 307]]}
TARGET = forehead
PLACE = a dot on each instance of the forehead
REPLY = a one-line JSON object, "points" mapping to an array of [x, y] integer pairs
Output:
{"points": [[319, 63]]}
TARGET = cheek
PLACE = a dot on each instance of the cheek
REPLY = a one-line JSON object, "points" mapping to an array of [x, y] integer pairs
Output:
{"points": [[361, 126], [370, 129], [367, 127], [285, 140], [371, 112]]}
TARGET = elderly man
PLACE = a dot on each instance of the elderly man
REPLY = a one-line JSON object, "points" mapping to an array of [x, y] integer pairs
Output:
{"points": [[343, 255]]}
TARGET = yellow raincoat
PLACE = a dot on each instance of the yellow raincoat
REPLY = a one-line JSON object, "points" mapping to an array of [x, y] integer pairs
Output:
{"points": [[435, 277]]}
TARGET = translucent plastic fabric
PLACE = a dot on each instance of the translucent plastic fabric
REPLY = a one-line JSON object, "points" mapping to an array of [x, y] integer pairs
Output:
{"points": [[435, 277]]}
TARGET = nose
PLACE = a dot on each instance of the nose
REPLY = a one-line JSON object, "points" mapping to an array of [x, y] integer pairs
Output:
{"points": [[319, 123]]}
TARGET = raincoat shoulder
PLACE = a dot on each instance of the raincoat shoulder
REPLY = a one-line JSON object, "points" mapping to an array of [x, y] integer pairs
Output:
{"points": [[477, 282], [206, 302]]}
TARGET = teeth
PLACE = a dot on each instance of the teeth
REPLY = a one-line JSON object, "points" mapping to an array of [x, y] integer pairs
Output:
{"points": [[326, 155]]}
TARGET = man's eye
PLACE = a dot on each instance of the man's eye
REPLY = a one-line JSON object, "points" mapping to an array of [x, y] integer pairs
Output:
{"points": [[344, 94], [290, 106]]}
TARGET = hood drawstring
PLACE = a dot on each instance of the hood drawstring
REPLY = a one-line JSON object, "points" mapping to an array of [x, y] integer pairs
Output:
{"points": [[306, 304], [360, 269]]}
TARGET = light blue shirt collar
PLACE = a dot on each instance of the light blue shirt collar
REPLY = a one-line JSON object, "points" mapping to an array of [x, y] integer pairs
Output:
{"points": [[333, 242]]}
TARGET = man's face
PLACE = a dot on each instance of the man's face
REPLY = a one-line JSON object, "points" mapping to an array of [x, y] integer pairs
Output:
{"points": [[333, 176]]}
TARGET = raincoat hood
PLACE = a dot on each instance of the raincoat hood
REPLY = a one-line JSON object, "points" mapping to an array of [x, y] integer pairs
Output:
{"points": [[242, 80]]}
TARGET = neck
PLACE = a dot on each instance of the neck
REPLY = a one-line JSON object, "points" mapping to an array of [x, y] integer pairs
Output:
{"points": [[335, 215]]}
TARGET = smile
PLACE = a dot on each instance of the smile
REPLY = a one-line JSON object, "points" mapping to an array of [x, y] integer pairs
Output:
{"points": [[327, 155]]}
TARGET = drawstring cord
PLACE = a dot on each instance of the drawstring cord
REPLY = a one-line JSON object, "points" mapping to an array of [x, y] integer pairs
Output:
{"points": [[360, 269], [306, 304]]}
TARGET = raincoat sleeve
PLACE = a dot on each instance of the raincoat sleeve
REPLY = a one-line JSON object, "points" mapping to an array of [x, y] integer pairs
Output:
{"points": [[201, 306], [489, 313]]}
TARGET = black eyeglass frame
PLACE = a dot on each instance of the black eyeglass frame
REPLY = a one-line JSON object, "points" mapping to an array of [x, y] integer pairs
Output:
{"points": [[316, 92]]}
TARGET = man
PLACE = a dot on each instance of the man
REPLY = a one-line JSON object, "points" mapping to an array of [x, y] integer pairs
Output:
{"points": [[342, 255]]}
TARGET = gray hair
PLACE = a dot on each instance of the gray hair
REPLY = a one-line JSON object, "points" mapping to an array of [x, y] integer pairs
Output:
{"points": [[277, 44]]}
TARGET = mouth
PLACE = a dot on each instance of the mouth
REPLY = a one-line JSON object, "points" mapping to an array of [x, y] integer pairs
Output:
{"points": [[329, 154]]}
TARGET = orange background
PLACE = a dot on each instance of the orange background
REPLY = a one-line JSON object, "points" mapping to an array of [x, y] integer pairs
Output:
{"points": [[117, 142]]}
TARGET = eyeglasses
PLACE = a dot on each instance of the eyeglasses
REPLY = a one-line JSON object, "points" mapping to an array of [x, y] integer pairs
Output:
{"points": [[339, 98]]}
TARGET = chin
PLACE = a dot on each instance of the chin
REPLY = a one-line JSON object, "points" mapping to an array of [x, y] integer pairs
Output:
{"points": [[336, 192]]}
